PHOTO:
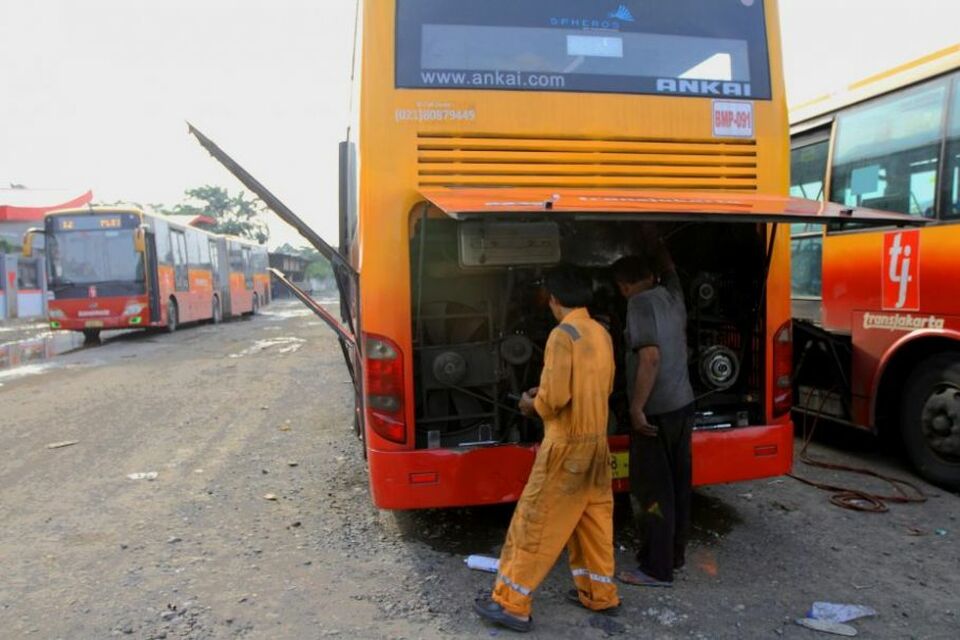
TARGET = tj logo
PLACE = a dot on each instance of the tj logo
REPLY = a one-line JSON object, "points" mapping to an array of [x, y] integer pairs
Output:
{"points": [[901, 271]]}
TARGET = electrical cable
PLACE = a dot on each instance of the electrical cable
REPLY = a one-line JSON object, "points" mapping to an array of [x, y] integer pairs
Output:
{"points": [[845, 497]]}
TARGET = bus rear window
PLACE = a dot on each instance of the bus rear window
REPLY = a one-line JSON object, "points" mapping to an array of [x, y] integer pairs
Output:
{"points": [[684, 47]]}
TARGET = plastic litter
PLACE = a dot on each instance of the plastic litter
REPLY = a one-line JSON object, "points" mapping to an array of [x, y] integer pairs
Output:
{"points": [[941, 532], [70, 443], [826, 626], [483, 563], [148, 475], [832, 612]]}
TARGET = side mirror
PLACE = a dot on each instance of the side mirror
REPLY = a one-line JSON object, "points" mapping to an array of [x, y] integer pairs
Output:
{"points": [[28, 242], [140, 240]]}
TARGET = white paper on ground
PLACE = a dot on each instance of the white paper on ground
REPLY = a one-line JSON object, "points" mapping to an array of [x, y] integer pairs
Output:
{"points": [[839, 612], [149, 475], [826, 626]]}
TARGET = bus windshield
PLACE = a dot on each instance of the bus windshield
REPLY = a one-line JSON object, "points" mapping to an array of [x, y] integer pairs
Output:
{"points": [[685, 47], [92, 257]]}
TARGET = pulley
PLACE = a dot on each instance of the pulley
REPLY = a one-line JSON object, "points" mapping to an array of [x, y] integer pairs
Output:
{"points": [[719, 367]]}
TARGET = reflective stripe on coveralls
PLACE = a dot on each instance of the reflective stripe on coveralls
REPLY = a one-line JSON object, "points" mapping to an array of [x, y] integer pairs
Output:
{"points": [[568, 500]]}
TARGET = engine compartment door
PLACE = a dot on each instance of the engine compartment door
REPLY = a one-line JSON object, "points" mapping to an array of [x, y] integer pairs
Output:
{"points": [[613, 204], [346, 276]]}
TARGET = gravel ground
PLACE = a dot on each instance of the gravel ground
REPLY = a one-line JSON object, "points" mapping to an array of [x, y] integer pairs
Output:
{"points": [[259, 523]]}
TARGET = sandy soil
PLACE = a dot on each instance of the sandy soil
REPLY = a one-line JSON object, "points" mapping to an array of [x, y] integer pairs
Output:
{"points": [[226, 416]]}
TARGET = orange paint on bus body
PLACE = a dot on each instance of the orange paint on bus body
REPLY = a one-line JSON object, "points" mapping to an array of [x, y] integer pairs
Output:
{"points": [[415, 140]]}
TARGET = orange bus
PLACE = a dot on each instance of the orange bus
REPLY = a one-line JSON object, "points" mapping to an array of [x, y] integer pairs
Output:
{"points": [[878, 322], [115, 268], [500, 139]]}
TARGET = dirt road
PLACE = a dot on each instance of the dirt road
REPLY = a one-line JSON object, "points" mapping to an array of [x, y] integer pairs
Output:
{"points": [[259, 524]]}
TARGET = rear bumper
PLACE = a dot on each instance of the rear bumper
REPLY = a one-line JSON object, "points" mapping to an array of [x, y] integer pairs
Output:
{"points": [[430, 478]]}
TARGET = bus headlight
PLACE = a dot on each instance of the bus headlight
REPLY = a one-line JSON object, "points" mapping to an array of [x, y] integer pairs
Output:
{"points": [[56, 313], [133, 309]]}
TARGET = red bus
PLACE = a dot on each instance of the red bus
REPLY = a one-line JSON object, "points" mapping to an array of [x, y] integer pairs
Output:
{"points": [[115, 268], [500, 139], [878, 318]]}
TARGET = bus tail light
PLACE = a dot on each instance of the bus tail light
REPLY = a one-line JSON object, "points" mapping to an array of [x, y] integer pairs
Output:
{"points": [[783, 369], [384, 388]]}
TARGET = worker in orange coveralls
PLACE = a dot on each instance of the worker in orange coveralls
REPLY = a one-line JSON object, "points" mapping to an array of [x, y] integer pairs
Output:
{"points": [[568, 500]]}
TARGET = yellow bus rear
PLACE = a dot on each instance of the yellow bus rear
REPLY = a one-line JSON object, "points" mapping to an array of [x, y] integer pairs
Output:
{"points": [[501, 139], [491, 96]]}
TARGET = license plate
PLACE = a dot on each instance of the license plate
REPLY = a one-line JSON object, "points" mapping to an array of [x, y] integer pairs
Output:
{"points": [[93, 324], [620, 465]]}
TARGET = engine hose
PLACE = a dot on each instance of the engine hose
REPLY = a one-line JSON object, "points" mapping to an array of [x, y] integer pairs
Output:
{"points": [[845, 497]]}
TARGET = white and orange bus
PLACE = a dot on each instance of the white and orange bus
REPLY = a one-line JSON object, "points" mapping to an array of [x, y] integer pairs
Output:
{"points": [[115, 268], [500, 139], [877, 313]]}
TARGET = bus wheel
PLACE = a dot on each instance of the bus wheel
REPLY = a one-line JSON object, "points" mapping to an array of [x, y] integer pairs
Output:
{"points": [[930, 419], [216, 317], [173, 319], [91, 336]]}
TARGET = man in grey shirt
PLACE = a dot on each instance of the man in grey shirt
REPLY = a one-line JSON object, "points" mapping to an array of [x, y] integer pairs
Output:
{"points": [[661, 411]]}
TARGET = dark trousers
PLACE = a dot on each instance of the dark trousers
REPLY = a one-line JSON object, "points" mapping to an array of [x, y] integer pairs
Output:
{"points": [[660, 478]]}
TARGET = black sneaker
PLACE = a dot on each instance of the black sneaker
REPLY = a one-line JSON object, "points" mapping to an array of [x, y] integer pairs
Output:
{"points": [[493, 612]]}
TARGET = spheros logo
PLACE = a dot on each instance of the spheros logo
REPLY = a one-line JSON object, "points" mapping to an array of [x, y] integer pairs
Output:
{"points": [[612, 22], [623, 14]]}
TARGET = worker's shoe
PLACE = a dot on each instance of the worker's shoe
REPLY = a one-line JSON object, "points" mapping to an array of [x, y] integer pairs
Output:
{"points": [[573, 596], [493, 612]]}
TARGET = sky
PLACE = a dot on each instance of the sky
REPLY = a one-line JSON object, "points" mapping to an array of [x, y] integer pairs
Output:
{"points": [[95, 94]]}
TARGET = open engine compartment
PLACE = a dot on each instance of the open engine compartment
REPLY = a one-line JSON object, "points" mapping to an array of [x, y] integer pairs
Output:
{"points": [[481, 319]]}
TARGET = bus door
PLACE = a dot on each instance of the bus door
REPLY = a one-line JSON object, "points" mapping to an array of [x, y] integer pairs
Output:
{"points": [[247, 270], [153, 281], [221, 272], [347, 278], [181, 270]]}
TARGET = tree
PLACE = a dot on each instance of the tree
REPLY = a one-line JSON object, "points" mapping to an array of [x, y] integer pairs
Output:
{"points": [[235, 215]]}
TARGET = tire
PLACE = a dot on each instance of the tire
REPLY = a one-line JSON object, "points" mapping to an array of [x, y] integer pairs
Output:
{"points": [[930, 419], [173, 317], [216, 317], [91, 336]]}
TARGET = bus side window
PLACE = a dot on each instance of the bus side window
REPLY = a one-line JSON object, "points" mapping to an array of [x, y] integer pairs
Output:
{"points": [[162, 236], [204, 246], [193, 248], [214, 256], [887, 152], [236, 261], [180, 268], [808, 170], [247, 268], [951, 182]]}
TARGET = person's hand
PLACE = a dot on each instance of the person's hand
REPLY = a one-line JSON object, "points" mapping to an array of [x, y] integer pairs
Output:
{"points": [[533, 392], [641, 426], [526, 403]]}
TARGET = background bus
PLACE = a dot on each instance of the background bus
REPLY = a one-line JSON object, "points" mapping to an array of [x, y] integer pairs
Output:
{"points": [[115, 268], [881, 302], [499, 139]]}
